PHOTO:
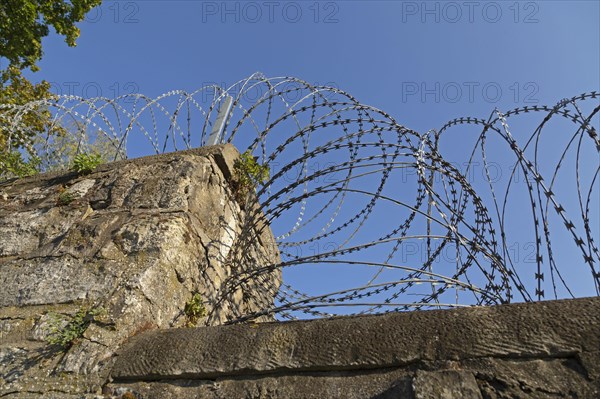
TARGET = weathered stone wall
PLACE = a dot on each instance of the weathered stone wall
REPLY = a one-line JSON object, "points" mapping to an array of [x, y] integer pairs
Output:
{"points": [[134, 240], [137, 239], [537, 350]]}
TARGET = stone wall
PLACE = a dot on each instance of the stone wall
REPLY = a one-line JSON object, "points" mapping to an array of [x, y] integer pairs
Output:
{"points": [[126, 246], [537, 350]]}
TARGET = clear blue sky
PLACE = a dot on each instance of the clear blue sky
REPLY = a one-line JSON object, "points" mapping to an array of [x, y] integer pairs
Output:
{"points": [[378, 51], [423, 62]]}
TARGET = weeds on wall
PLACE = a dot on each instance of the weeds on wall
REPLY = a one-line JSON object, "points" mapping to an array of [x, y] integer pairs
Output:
{"points": [[86, 163], [65, 330], [14, 165], [248, 174], [194, 310], [65, 198]]}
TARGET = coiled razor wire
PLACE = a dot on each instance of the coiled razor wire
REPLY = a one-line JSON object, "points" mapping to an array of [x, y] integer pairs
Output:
{"points": [[371, 216]]}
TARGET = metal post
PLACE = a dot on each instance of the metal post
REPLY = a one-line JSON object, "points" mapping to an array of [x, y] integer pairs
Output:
{"points": [[219, 126]]}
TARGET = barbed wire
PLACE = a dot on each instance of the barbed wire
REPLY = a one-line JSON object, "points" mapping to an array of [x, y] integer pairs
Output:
{"points": [[370, 216]]}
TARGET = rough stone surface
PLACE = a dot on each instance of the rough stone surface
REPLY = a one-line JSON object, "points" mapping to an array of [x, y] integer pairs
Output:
{"points": [[445, 384], [553, 328], [134, 239], [536, 350], [137, 239], [376, 384]]}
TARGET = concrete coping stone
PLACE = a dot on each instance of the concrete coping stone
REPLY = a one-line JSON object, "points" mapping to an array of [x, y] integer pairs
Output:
{"points": [[561, 328]]}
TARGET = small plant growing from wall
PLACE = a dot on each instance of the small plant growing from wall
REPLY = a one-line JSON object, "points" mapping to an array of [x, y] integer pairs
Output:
{"points": [[86, 163], [64, 335], [65, 198], [194, 310], [248, 173]]}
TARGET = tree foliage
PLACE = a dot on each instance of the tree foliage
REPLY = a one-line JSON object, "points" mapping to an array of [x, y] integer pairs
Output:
{"points": [[17, 90], [23, 24]]}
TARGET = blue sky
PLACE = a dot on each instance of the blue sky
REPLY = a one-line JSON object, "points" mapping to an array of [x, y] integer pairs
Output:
{"points": [[423, 62], [378, 51]]}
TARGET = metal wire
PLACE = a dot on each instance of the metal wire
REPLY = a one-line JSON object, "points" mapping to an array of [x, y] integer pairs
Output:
{"points": [[371, 216]]}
